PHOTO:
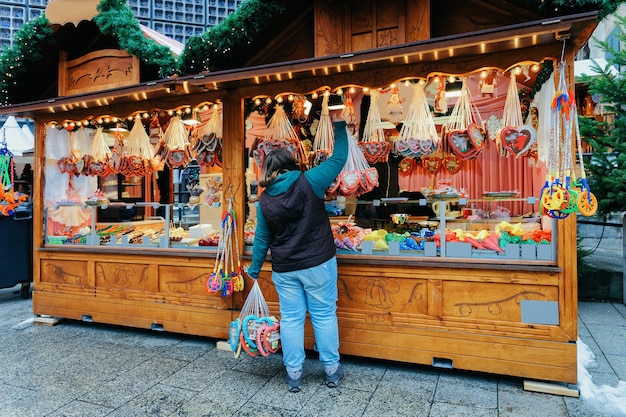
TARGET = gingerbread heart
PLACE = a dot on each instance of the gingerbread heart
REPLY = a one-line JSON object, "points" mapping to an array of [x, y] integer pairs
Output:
{"points": [[431, 164], [452, 163], [518, 141], [460, 142], [426, 146], [477, 135]]}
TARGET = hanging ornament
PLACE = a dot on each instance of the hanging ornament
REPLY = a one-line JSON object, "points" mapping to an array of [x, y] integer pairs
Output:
{"points": [[441, 100], [324, 136], [356, 176], [452, 163], [74, 162], [208, 147], [136, 158], [99, 157], [515, 138], [418, 135], [463, 132], [175, 149], [280, 134], [394, 106], [373, 145]]}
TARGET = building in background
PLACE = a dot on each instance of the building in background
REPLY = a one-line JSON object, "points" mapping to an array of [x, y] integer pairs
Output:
{"points": [[177, 19]]}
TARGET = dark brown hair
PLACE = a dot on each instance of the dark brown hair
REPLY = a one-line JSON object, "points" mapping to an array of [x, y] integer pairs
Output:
{"points": [[275, 163]]}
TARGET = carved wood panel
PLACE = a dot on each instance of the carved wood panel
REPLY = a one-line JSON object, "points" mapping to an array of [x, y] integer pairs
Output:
{"points": [[491, 301], [96, 71], [140, 277], [183, 280], [367, 24], [64, 272]]}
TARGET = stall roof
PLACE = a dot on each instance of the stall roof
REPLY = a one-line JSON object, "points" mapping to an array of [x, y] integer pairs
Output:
{"points": [[517, 39]]}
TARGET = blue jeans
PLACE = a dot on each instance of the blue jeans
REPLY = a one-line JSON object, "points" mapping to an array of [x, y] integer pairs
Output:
{"points": [[313, 289]]}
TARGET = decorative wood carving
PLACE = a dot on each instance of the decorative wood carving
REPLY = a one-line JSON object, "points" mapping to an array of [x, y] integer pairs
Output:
{"points": [[97, 71], [369, 24]]}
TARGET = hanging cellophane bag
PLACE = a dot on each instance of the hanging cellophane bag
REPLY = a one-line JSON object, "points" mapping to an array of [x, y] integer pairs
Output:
{"points": [[373, 144], [356, 176], [73, 162], [515, 138], [324, 136], [418, 135], [99, 158], [280, 134], [209, 143], [176, 150], [137, 154], [464, 134], [255, 331]]}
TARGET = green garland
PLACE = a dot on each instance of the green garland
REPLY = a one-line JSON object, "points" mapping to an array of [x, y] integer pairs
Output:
{"points": [[553, 7], [26, 51], [216, 48], [116, 19]]}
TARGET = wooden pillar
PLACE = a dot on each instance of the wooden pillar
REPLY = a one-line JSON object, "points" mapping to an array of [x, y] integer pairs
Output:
{"points": [[37, 198], [233, 155]]}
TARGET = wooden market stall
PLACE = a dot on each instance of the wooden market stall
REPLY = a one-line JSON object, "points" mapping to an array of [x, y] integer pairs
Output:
{"points": [[509, 314]]}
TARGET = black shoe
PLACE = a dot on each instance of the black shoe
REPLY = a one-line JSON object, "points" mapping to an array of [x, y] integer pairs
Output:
{"points": [[294, 384], [332, 381]]}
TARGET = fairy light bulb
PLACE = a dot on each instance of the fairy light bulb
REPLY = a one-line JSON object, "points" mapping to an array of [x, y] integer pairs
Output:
{"points": [[518, 70], [339, 91], [314, 95], [483, 74], [279, 99], [257, 102], [451, 79], [290, 97], [268, 101], [534, 68]]}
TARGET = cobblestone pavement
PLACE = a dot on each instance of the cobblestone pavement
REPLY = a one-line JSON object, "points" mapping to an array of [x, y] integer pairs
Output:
{"points": [[89, 370]]}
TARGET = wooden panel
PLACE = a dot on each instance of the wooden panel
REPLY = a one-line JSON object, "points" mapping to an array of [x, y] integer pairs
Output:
{"points": [[387, 37], [387, 13], [179, 319], [379, 295], [368, 24], [64, 272], [362, 16], [129, 276], [182, 280], [490, 301], [362, 41], [97, 71], [329, 29]]}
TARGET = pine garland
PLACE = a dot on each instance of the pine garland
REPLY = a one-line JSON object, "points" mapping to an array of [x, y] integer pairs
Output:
{"points": [[215, 48], [27, 48], [553, 7], [116, 19]]}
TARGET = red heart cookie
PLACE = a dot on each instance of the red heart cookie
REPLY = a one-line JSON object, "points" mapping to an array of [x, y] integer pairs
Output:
{"points": [[452, 163], [518, 141], [431, 164]]}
